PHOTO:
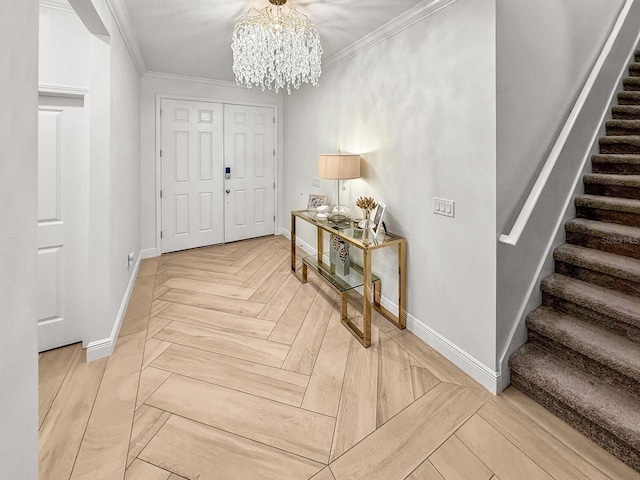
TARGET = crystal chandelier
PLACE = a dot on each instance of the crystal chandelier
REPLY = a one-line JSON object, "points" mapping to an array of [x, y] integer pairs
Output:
{"points": [[275, 48]]}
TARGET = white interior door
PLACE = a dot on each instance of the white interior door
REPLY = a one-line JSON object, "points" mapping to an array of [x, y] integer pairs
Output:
{"points": [[249, 145], [192, 174], [62, 215]]}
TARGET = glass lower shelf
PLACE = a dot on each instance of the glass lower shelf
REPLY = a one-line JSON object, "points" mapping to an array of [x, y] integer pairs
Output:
{"points": [[342, 283]]}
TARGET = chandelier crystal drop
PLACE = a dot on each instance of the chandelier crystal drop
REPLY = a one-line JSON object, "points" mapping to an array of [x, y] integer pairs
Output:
{"points": [[276, 47]]}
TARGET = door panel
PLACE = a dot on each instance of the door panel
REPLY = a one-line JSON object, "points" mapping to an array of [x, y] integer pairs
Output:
{"points": [[206, 210], [259, 197], [205, 155], [61, 260], [182, 156], [192, 174], [49, 305], [250, 153]]}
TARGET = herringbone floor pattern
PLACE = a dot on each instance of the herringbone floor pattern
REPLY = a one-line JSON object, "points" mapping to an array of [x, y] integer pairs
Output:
{"points": [[227, 367]]}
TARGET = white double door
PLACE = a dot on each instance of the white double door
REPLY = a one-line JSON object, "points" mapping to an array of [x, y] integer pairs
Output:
{"points": [[218, 181], [63, 169]]}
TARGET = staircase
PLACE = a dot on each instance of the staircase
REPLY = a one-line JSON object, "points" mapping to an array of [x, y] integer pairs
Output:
{"points": [[582, 360]]}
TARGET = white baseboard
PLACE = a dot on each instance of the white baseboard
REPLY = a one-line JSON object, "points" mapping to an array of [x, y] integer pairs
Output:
{"points": [[100, 349], [299, 242], [103, 348], [305, 246], [149, 253], [482, 374]]}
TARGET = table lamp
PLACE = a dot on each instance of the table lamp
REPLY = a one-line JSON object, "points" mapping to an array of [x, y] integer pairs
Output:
{"points": [[339, 167]]}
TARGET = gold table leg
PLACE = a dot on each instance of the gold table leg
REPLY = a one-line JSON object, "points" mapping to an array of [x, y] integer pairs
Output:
{"points": [[302, 276], [402, 284], [293, 243], [320, 244], [371, 291], [399, 320]]}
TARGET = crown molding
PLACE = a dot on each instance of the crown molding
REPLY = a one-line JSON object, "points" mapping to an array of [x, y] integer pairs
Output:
{"points": [[123, 21], [389, 29], [56, 6], [187, 78]]}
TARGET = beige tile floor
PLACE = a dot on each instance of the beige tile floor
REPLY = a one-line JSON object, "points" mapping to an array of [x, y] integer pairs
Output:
{"points": [[227, 367]]}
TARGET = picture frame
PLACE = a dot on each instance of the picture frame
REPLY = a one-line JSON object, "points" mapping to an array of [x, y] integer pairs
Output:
{"points": [[316, 201], [378, 216]]}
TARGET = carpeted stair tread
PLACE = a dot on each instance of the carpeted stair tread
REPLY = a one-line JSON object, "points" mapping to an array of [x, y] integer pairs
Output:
{"points": [[616, 158], [622, 122], [608, 237], [613, 409], [624, 211], [594, 227], [634, 69], [599, 261], [613, 304], [616, 163], [631, 83], [631, 139], [626, 112], [620, 144], [617, 353], [628, 205], [612, 179], [623, 127], [629, 98]]}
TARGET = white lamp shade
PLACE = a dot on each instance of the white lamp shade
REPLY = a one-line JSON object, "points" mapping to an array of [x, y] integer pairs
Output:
{"points": [[339, 167]]}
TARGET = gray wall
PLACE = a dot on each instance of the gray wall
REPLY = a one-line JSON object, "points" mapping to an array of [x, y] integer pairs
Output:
{"points": [[545, 51], [124, 194], [420, 109], [18, 211]]}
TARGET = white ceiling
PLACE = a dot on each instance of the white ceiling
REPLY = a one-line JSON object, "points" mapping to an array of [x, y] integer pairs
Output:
{"points": [[193, 37]]}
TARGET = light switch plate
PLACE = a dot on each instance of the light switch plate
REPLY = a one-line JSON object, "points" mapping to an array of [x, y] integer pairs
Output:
{"points": [[444, 207], [316, 182]]}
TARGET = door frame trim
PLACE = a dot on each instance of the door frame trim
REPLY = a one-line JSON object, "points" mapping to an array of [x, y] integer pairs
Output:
{"points": [[158, 146]]}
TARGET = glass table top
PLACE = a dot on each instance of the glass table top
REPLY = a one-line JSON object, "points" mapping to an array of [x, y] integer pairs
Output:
{"points": [[348, 230]]}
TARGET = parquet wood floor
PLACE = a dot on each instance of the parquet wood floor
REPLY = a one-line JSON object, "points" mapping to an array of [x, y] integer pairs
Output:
{"points": [[227, 367]]}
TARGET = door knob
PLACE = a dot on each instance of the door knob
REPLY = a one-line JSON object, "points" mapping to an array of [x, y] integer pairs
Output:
{"points": [[228, 191]]}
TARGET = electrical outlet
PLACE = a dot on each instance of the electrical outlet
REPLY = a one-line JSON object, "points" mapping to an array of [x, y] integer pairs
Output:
{"points": [[443, 207], [130, 259], [316, 182]]}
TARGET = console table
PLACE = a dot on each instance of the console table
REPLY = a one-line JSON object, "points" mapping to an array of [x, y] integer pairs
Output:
{"points": [[361, 276]]}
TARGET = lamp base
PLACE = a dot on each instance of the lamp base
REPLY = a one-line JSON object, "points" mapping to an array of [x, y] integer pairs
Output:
{"points": [[337, 217], [339, 213]]}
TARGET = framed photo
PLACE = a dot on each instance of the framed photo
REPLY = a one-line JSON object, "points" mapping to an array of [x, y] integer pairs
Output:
{"points": [[378, 217], [316, 201]]}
